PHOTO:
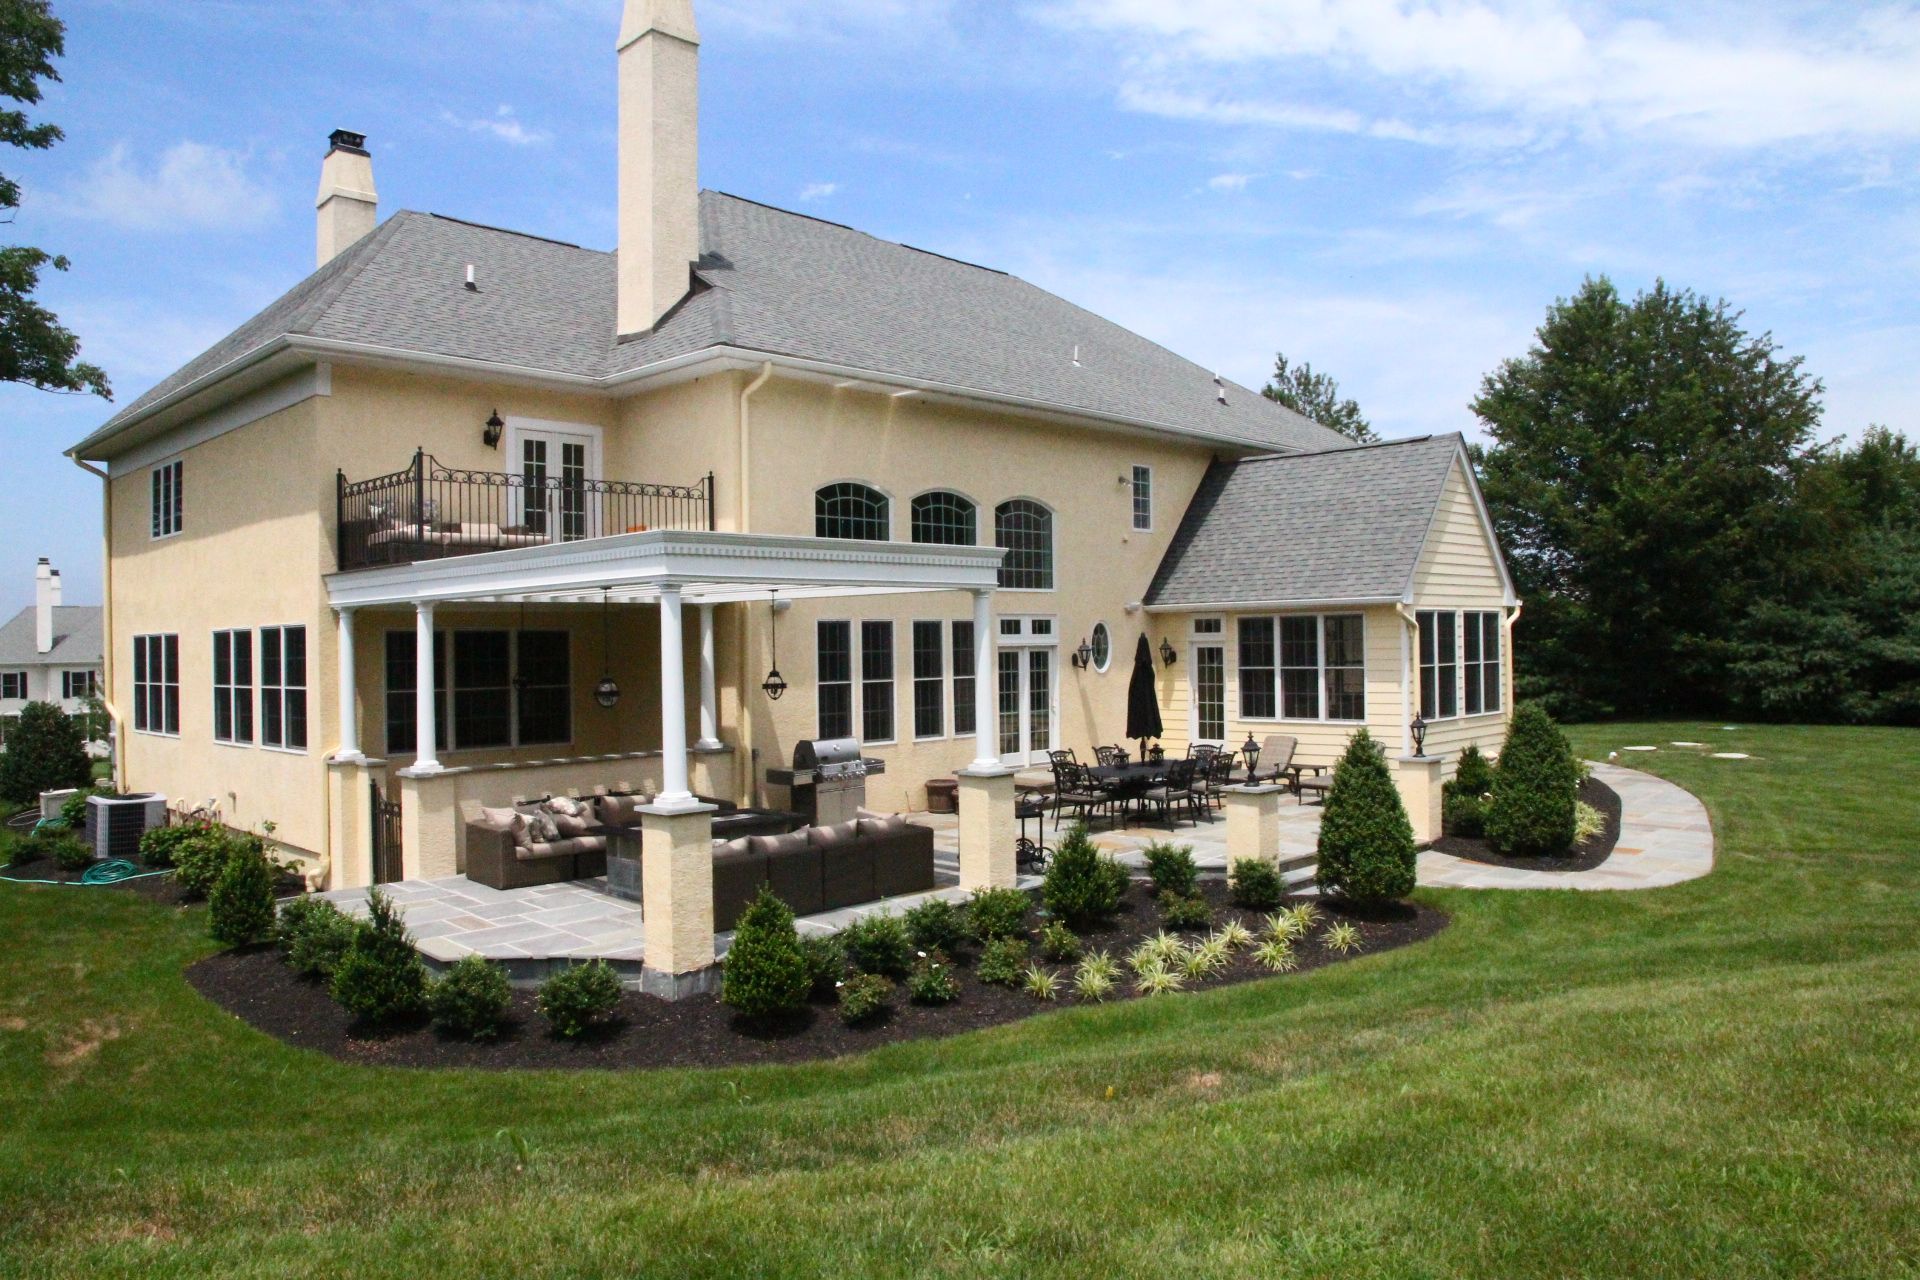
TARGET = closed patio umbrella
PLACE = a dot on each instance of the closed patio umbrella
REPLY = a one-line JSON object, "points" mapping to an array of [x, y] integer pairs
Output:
{"points": [[1143, 705]]}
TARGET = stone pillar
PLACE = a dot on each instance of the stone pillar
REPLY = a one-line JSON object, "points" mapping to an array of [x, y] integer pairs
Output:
{"points": [[426, 754], [676, 881], [674, 791], [709, 686], [429, 843], [987, 829], [348, 692], [350, 801], [1253, 823], [1419, 779]]}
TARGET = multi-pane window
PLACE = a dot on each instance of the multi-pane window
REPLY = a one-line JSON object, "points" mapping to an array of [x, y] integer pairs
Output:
{"points": [[876, 681], [1257, 666], [1439, 664], [963, 686], [1024, 529], [168, 498], [1300, 668], [833, 679], [1101, 647], [13, 684], [543, 687], [1210, 692], [505, 689], [944, 519], [849, 510], [233, 686], [1209, 626], [1482, 652], [402, 721], [1143, 498], [79, 684], [156, 684], [283, 688], [482, 689], [929, 680], [1346, 670]]}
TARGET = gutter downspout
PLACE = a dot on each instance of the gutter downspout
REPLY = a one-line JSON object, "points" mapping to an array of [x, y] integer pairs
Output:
{"points": [[1512, 615], [1409, 673], [106, 614], [744, 781]]}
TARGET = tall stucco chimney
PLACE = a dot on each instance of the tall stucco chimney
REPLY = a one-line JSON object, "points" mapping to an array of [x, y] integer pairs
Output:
{"points": [[349, 206], [46, 594], [659, 159]]}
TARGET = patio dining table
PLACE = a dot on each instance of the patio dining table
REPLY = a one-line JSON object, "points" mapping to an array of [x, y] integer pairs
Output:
{"points": [[1130, 781]]}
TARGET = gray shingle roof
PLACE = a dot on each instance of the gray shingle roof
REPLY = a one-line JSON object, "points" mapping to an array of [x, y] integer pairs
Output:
{"points": [[1347, 524], [76, 639], [775, 282]]}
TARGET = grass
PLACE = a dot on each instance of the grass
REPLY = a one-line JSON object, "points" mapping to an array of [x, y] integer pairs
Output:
{"points": [[1719, 1078]]}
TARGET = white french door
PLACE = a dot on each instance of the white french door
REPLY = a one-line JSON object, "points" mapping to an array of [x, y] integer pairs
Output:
{"points": [[1208, 722], [1026, 680], [556, 465]]}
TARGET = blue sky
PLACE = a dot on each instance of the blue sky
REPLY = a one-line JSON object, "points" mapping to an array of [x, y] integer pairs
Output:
{"points": [[1394, 190]]}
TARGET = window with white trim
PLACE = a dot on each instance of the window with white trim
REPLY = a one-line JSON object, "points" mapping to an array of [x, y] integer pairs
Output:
{"points": [[963, 676], [1143, 499], [929, 680], [1102, 646], [833, 679], [848, 510], [283, 688], [1024, 530], [1303, 667], [233, 686], [943, 519], [156, 684], [168, 483], [1439, 664], [505, 688], [876, 681], [1481, 653], [13, 684], [1209, 626], [79, 685]]}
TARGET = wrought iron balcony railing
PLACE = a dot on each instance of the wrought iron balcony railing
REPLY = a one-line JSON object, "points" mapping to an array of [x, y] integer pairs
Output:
{"points": [[432, 512]]}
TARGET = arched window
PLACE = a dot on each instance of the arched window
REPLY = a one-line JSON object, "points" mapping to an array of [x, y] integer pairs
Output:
{"points": [[944, 519], [1024, 530], [851, 511]]}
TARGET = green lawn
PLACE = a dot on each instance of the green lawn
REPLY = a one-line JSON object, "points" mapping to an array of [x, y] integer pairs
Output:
{"points": [[1717, 1079]]}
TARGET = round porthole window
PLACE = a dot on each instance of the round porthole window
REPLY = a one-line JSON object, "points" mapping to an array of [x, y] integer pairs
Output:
{"points": [[1102, 646]]}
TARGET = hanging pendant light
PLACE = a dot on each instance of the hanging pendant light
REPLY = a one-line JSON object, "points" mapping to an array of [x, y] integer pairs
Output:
{"points": [[607, 692], [773, 686]]}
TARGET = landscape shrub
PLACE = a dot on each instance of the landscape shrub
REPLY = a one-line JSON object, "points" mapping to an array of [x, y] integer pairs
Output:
{"points": [[313, 935], [997, 913], [73, 810], [1588, 821], [46, 751], [159, 847], [1185, 910], [766, 972], [1463, 801], [240, 908], [17, 851], [1366, 842], [1059, 943], [1256, 885], [932, 981], [826, 959], [1002, 962], [68, 851], [863, 997], [381, 978], [199, 859], [936, 924], [471, 1000], [878, 944], [1534, 788], [579, 998], [1040, 983], [1172, 869], [1079, 886]]}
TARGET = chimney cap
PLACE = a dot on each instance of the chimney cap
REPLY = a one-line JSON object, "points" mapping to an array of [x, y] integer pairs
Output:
{"points": [[44, 560], [348, 140]]}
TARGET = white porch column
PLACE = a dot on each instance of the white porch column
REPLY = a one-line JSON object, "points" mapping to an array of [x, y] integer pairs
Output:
{"points": [[349, 687], [986, 753], [673, 702], [426, 755], [709, 695]]}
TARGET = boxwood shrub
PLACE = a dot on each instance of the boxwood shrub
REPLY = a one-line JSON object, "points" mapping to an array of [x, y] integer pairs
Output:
{"points": [[381, 978], [471, 1000], [579, 998], [1366, 842], [240, 908], [1171, 868], [878, 944], [1080, 886], [1534, 788], [766, 972], [314, 935], [1463, 804], [997, 913], [863, 997], [936, 924]]}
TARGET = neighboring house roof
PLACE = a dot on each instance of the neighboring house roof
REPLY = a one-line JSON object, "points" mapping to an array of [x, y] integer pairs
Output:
{"points": [[76, 639], [1341, 525], [771, 282]]}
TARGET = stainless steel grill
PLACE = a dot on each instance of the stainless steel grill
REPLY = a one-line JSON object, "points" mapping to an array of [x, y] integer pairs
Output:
{"points": [[828, 780]]}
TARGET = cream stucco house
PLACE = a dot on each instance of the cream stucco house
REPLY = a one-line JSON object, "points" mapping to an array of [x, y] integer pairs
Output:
{"points": [[397, 530]]}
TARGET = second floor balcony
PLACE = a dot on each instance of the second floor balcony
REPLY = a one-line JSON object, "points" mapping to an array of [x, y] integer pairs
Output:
{"points": [[432, 512]]}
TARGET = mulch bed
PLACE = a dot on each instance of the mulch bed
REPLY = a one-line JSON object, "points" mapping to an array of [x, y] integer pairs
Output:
{"points": [[162, 889], [255, 986], [1583, 856]]}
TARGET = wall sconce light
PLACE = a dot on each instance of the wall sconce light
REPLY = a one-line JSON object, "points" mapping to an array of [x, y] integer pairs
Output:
{"points": [[1167, 654], [490, 434], [1419, 727], [1083, 656]]}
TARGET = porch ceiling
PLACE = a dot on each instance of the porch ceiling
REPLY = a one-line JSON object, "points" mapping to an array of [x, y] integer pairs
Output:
{"points": [[709, 568]]}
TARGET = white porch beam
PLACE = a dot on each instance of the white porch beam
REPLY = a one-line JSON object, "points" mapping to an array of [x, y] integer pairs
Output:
{"points": [[986, 752], [426, 755], [709, 686], [674, 790], [349, 752]]}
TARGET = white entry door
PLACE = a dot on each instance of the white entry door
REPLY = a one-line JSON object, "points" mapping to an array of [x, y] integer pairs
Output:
{"points": [[557, 466], [1026, 698], [1208, 722]]}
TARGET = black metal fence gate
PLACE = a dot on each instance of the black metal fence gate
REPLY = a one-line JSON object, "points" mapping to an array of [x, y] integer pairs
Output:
{"points": [[386, 837]]}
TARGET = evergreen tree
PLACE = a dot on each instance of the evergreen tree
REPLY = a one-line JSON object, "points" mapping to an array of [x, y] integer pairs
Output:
{"points": [[1535, 786], [766, 973], [45, 752], [1317, 396], [1366, 842]]}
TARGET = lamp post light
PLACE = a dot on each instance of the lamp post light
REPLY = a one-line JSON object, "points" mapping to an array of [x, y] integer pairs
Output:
{"points": [[1419, 728], [1251, 750]]}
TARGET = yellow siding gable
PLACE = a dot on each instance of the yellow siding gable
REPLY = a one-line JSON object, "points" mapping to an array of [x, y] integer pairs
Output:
{"points": [[1459, 567]]}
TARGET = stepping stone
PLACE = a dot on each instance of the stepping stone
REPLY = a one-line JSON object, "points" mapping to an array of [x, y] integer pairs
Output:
{"points": [[1686, 744], [1639, 748], [1731, 755]]}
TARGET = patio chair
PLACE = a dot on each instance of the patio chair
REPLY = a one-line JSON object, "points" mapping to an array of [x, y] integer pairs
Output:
{"points": [[1075, 788], [1058, 758], [1177, 790], [1211, 782], [1111, 756]]}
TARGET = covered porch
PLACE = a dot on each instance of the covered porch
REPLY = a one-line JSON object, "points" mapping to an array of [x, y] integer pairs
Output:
{"points": [[670, 573]]}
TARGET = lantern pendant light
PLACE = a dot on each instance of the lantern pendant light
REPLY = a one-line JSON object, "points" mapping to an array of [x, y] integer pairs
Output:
{"points": [[607, 692], [773, 686]]}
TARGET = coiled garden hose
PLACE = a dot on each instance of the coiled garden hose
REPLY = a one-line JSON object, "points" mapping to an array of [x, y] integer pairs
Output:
{"points": [[117, 871]]}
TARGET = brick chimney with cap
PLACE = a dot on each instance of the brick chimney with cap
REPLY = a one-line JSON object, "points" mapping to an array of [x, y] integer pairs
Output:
{"points": [[348, 205], [659, 160]]}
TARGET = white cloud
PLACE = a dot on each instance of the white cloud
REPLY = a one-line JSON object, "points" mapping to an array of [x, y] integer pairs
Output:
{"points": [[503, 124], [818, 191], [1230, 181], [191, 186], [1541, 65]]}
